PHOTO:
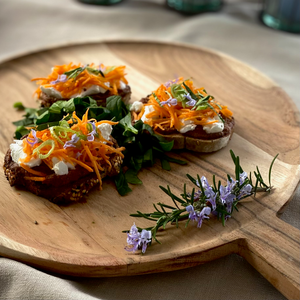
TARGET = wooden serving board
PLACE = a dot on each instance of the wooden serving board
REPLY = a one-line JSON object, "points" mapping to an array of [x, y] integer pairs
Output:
{"points": [[86, 239]]}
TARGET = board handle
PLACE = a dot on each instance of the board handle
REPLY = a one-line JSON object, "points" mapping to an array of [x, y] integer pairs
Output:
{"points": [[272, 247]]}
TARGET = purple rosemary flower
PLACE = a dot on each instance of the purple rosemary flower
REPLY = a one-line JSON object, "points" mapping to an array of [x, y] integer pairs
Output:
{"points": [[243, 177], [192, 213], [170, 101], [208, 191], [60, 78], [133, 239], [203, 215], [170, 82], [145, 239], [102, 69], [137, 240], [198, 216], [72, 142], [227, 196], [246, 190], [91, 135], [191, 102], [32, 141]]}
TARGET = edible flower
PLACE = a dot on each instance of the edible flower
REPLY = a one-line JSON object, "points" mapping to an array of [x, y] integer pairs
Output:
{"points": [[170, 101], [170, 82], [191, 102], [60, 78], [91, 135], [32, 140], [72, 142], [138, 240]]}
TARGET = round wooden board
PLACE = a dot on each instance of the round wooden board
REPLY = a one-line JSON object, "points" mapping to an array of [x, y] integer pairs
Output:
{"points": [[86, 239]]}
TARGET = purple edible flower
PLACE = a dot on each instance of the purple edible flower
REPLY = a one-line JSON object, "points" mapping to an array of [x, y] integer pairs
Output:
{"points": [[245, 191], [191, 102], [34, 140], [72, 142], [145, 239], [170, 101], [60, 78], [137, 240], [243, 177], [133, 239], [203, 215], [192, 213], [102, 69], [208, 191], [170, 82], [198, 216], [91, 135]]}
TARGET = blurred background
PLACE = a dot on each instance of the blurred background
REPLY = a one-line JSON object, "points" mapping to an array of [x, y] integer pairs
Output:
{"points": [[241, 29]]}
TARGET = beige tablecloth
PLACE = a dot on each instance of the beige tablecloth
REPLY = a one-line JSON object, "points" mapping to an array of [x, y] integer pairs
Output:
{"points": [[29, 25]]}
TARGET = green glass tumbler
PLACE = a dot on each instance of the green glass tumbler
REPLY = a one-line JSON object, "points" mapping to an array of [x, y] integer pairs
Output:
{"points": [[101, 2], [282, 15], [195, 6]]}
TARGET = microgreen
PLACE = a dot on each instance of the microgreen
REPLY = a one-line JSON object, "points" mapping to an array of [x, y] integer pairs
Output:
{"points": [[201, 203]]}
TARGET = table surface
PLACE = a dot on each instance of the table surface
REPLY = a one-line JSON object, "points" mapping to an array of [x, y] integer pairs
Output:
{"points": [[31, 25]]}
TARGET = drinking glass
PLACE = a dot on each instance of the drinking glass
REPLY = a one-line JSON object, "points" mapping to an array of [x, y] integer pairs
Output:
{"points": [[282, 14], [195, 6]]}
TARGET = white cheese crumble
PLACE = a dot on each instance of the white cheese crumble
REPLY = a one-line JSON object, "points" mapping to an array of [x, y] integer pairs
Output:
{"points": [[17, 154], [122, 85], [148, 110], [92, 90], [214, 127], [60, 168], [188, 125], [136, 106], [51, 92], [106, 130]]}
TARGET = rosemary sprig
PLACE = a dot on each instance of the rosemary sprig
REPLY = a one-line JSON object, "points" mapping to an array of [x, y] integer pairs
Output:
{"points": [[199, 204]]}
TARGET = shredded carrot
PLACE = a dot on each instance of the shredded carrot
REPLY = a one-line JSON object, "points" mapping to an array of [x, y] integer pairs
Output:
{"points": [[35, 178], [82, 164], [94, 164], [28, 169]]}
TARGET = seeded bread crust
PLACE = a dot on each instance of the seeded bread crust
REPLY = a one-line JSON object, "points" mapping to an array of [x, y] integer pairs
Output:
{"points": [[60, 189], [47, 101], [198, 140]]}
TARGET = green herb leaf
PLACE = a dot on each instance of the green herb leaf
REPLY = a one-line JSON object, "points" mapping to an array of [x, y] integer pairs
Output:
{"points": [[131, 177], [19, 106], [121, 184]]}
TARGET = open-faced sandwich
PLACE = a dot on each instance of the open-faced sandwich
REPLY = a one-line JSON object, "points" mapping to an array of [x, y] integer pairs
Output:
{"points": [[70, 81], [190, 116], [62, 163]]}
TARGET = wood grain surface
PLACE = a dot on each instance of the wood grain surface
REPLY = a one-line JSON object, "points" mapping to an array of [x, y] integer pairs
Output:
{"points": [[86, 239]]}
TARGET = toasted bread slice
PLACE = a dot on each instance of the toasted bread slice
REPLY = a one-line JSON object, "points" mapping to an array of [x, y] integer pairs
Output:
{"points": [[60, 189]]}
